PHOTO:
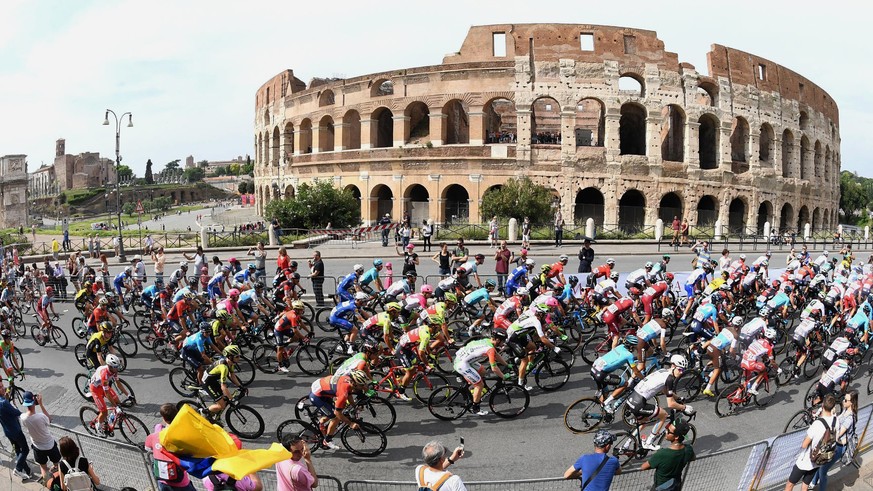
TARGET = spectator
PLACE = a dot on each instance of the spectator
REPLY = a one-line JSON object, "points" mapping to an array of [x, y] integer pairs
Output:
{"points": [[386, 220], [90, 247], [282, 261], [684, 232], [501, 264], [389, 275], [426, 233], [33, 232], [116, 244], [70, 457], [804, 469], [316, 275], [170, 476], [559, 230], [460, 255], [492, 232], [45, 448], [296, 473], [442, 259], [596, 470], [56, 247], [104, 270], [405, 235], [703, 256], [410, 259], [97, 246], [199, 259], [159, 258], [792, 256], [677, 227], [66, 243], [433, 473], [525, 233], [845, 437], [725, 260], [671, 461], [260, 255], [149, 244], [586, 257], [9, 419]]}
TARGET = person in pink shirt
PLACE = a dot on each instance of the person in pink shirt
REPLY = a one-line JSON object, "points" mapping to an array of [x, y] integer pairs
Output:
{"points": [[296, 473], [170, 476]]}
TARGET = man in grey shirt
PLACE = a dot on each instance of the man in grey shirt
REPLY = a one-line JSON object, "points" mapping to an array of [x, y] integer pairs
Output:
{"points": [[45, 448]]}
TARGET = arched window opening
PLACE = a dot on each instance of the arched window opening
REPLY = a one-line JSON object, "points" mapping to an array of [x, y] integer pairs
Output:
{"points": [[384, 202], [739, 140], [417, 125], [707, 94], [589, 204], [456, 123], [327, 98], [737, 217], [457, 204], [382, 128], [631, 212], [631, 85], [289, 139], [500, 121], [707, 139], [707, 211], [351, 130], [382, 87], [765, 143], [274, 148], [417, 204], [545, 122], [590, 123], [306, 136], [787, 153], [670, 207], [786, 218], [632, 130], [804, 121], [816, 220], [673, 134], [802, 219], [828, 163], [765, 215], [817, 162], [325, 134]]}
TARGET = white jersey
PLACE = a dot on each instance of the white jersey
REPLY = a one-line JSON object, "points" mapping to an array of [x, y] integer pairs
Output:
{"points": [[605, 286], [820, 260], [651, 330], [525, 324], [835, 374], [753, 327], [653, 383], [637, 276], [814, 305], [804, 328], [837, 348], [695, 276]]}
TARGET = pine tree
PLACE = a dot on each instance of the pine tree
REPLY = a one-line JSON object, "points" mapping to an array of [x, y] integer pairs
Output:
{"points": [[149, 178]]}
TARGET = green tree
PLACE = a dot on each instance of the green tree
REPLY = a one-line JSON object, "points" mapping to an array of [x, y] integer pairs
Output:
{"points": [[517, 198], [233, 169], [314, 206], [128, 208], [194, 174], [242, 187], [853, 199], [125, 173], [172, 165], [220, 171], [251, 187], [247, 169], [149, 177]]}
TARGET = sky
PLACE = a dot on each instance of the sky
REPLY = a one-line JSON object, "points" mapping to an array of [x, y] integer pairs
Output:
{"points": [[188, 70]]}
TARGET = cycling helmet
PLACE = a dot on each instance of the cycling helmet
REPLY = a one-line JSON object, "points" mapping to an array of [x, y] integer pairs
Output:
{"points": [[530, 262], [634, 291], [707, 266], [451, 297], [522, 291], [103, 302], [770, 333], [359, 377], [788, 289], [183, 264], [259, 285], [359, 268], [490, 283], [545, 268], [850, 332], [603, 438], [610, 262], [573, 280], [393, 307], [298, 305], [499, 334], [252, 266], [413, 274], [5, 311], [563, 258], [86, 285], [825, 253], [667, 313], [460, 271], [669, 277], [225, 269], [233, 292], [613, 276], [377, 262], [223, 315], [361, 296], [737, 321], [105, 326], [426, 289], [113, 361], [775, 283], [128, 269], [541, 308], [49, 290], [665, 257], [479, 257], [190, 296], [631, 341], [679, 361], [725, 274], [649, 265], [768, 253], [231, 350]]}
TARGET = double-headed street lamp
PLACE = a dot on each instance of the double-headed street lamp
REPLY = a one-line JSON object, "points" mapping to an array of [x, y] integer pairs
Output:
{"points": [[118, 121]]}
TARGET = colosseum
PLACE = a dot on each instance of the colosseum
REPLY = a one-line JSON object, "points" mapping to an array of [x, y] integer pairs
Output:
{"points": [[621, 131]]}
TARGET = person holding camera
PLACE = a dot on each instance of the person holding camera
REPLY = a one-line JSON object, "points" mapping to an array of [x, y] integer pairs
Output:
{"points": [[433, 473]]}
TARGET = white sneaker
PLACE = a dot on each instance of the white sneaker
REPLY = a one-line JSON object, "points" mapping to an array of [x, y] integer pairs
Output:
{"points": [[481, 412], [23, 475], [753, 391], [331, 445], [284, 369], [403, 397], [651, 446]]}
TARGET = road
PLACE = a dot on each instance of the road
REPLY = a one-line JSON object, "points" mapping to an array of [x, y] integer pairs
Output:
{"points": [[493, 445]]}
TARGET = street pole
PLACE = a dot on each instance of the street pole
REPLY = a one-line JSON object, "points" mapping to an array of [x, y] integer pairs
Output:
{"points": [[118, 121]]}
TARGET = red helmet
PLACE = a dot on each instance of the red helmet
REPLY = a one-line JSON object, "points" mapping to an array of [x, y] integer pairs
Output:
{"points": [[634, 291], [669, 276], [49, 290], [775, 283]]}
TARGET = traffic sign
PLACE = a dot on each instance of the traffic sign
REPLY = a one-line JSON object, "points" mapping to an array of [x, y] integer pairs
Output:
{"points": [[139, 208]]}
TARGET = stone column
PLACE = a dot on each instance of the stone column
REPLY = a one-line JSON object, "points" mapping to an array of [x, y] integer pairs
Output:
{"points": [[284, 143], [401, 130], [612, 140], [474, 211], [724, 141], [568, 136], [437, 126], [776, 154], [298, 137], [653, 135], [692, 144], [368, 135], [754, 147], [476, 120], [339, 130]]}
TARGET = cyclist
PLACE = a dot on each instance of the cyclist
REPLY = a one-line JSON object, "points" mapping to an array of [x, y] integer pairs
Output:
{"points": [[250, 304], [194, 351], [567, 297], [99, 315], [101, 386], [122, 281], [661, 381], [413, 303], [348, 286], [803, 333], [369, 356], [860, 322], [287, 330], [401, 288], [510, 309], [245, 278], [820, 261], [371, 276], [439, 311], [178, 314], [341, 317], [414, 344], [694, 285], [705, 317], [46, 303], [471, 268], [477, 296], [97, 343], [639, 278], [467, 364], [331, 398], [781, 301], [612, 315], [660, 267], [378, 327], [178, 277], [219, 331], [762, 348], [602, 271], [85, 299], [836, 375], [519, 335], [555, 274], [652, 330], [518, 277], [231, 305], [7, 295], [215, 380], [725, 340], [7, 348], [618, 358], [653, 293], [605, 291], [215, 286]]}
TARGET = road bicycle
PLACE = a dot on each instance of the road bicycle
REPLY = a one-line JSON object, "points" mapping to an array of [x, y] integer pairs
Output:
{"points": [[805, 417], [809, 368], [368, 407], [549, 369], [82, 359], [364, 440], [131, 428], [736, 396], [453, 401], [243, 420], [42, 332], [310, 358], [628, 445], [424, 381], [83, 387], [700, 368]]}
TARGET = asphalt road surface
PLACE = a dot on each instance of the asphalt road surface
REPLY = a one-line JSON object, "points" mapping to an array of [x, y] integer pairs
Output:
{"points": [[494, 446]]}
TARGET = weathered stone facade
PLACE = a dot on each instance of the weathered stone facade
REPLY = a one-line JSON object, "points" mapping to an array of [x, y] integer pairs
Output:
{"points": [[13, 191], [86, 170], [617, 126]]}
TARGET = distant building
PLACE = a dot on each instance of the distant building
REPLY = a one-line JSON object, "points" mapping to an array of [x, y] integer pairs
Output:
{"points": [[189, 161], [13, 190], [86, 170], [41, 183], [211, 165]]}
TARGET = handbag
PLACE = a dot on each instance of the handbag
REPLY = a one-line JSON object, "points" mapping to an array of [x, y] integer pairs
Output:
{"points": [[596, 471]]}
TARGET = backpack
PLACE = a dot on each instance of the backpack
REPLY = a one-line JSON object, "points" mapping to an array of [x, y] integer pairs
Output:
{"points": [[826, 447], [75, 479], [434, 486]]}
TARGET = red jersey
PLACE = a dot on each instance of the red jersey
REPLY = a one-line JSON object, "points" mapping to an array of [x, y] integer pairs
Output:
{"points": [[179, 310]]}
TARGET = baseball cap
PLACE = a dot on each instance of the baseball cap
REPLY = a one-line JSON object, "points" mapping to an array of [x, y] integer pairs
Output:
{"points": [[28, 399]]}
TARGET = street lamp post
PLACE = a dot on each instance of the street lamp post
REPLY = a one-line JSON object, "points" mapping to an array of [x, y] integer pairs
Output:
{"points": [[118, 121]]}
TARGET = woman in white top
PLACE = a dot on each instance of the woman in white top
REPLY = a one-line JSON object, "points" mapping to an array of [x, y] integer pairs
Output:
{"points": [[725, 260], [846, 422]]}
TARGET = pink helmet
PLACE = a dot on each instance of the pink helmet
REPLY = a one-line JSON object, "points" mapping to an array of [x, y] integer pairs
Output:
{"points": [[426, 289], [232, 260], [233, 292]]}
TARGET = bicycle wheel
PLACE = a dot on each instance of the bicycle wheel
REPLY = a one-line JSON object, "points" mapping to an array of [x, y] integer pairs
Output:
{"points": [[800, 420], [79, 352], [625, 447], [18, 326], [133, 430], [595, 347], [265, 359], [379, 412], [245, 422], [442, 361], [584, 415], [551, 374], [322, 319], [813, 362], [365, 441], [332, 347], [244, 370], [811, 394], [88, 418], [508, 401], [79, 327], [126, 343], [188, 402], [788, 366], [142, 319], [424, 384], [870, 383], [312, 360], [449, 402], [727, 402], [689, 385], [146, 337], [59, 337], [130, 402], [181, 381], [306, 431], [83, 386], [123, 358], [692, 434], [37, 334], [164, 351]]}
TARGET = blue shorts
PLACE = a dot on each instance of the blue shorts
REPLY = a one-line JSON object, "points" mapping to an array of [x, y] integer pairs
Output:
{"points": [[175, 326], [117, 288], [345, 295], [214, 292], [283, 338], [510, 288], [689, 290], [323, 404], [700, 330], [341, 323], [146, 299], [192, 356]]}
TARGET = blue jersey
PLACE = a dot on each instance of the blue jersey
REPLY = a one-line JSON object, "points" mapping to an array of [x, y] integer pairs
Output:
{"points": [[566, 294], [196, 341], [859, 322], [368, 277], [243, 276], [615, 359], [517, 274], [779, 300], [180, 294], [348, 282], [150, 292], [216, 280], [705, 313], [344, 310], [120, 279], [477, 296], [247, 298]]}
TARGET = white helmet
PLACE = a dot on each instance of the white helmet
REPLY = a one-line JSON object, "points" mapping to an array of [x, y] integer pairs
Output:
{"points": [[530, 262], [563, 258], [667, 313], [521, 291], [770, 333], [359, 268], [679, 361], [361, 296], [737, 321], [113, 361], [825, 253]]}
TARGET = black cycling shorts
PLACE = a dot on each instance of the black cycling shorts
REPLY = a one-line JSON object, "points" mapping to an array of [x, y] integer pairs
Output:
{"points": [[212, 385], [640, 407], [604, 379], [406, 356]]}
